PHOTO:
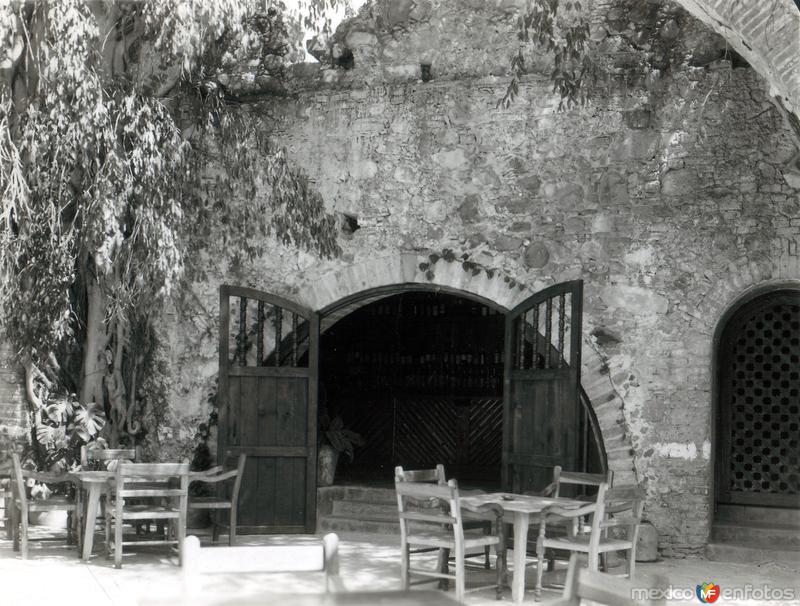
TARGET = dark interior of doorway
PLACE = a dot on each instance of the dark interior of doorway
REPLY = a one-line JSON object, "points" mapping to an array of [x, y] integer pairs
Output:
{"points": [[419, 375]]}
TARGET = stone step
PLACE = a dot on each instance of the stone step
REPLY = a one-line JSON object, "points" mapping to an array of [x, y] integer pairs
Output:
{"points": [[762, 535], [359, 493], [737, 551], [748, 513], [356, 509], [377, 525]]}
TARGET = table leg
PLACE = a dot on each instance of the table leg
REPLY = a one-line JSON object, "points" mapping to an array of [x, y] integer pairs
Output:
{"points": [[95, 491], [521, 521]]}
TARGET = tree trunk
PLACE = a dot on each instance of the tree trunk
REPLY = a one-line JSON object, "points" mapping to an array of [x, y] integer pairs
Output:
{"points": [[94, 360]]}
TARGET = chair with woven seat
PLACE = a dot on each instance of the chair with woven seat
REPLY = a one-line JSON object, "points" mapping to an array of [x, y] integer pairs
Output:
{"points": [[617, 508], [430, 517], [22, 506], [226, 481], [148, 491], [469, 519]]}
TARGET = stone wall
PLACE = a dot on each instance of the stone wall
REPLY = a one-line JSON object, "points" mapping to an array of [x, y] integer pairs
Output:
{"points": [[668, 195]]}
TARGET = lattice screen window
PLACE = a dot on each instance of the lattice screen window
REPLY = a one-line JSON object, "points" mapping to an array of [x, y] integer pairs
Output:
{"points": [[765, 403]]}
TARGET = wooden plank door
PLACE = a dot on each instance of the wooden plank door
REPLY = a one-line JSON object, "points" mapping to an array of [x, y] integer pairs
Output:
{"points": [[268, 407], [542, 386]]}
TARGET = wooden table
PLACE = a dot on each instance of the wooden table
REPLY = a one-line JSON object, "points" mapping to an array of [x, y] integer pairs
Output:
{"points": [[95, 483], [522, 507]]}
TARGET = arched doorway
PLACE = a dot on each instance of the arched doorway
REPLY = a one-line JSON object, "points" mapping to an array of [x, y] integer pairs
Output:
{"points": [[757, 458], [419, 375]]}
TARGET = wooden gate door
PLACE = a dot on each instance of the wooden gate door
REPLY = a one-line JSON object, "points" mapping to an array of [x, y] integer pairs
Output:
{"points": [[267, 400], [758, 455], [542, 386]]}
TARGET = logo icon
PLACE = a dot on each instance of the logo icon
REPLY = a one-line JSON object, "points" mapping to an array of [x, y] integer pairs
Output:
{"points": [[708, 593]]}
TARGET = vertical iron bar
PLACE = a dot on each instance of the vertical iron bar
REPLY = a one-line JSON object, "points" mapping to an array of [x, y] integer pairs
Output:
{"points": [[294, 339], [278, 331], [521, 344], [241, 349], [562, 312], [548, 332], [535, 364], [260, 335]]}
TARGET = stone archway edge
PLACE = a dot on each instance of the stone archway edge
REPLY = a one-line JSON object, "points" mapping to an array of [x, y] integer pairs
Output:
{"points": [[405, 269], [408, 268]]}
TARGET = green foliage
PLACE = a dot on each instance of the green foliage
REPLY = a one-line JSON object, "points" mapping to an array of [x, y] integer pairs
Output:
{"points": [[560, 28], [120, 149], [61, 428], [333, 432]]}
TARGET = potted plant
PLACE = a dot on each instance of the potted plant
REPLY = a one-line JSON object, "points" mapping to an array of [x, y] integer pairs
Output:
{"points": [[334, 439]]}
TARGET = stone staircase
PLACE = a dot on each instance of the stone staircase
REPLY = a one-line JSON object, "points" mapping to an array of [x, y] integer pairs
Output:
{"points": [[357, 509], [755, 535]]}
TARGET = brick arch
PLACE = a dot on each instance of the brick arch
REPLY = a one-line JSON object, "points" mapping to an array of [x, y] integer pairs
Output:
{"points": [[342, 292], [766, 33]]}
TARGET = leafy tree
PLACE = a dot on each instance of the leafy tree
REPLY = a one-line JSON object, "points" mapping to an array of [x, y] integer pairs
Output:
{"points": [[121, 145]]}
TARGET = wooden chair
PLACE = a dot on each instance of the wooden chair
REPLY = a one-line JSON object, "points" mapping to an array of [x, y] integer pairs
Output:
{"points": [[22, 506], [469, 519], [584, 584], [153, 491], [107, 459], [579, 485], [430, 517], [619, 507], [322, 556], [225, 499]]}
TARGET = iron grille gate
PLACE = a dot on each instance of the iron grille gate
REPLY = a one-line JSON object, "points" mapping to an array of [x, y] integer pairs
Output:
{"points": [[760, 403]]}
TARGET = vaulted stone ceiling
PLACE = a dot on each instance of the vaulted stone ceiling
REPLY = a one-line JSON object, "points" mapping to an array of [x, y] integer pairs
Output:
{"points": [[766, 33]]}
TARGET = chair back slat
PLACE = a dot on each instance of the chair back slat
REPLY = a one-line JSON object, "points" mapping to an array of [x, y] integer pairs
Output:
{"points": [[424, 475], [577, 478], [108, 454], [152, 470]]}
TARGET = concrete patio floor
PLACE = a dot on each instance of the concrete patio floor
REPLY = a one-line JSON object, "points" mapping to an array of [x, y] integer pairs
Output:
{"points": [[54, 575]]}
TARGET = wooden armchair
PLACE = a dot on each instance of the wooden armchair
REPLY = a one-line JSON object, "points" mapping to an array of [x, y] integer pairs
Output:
{"points": [[22, 506], [469, 519], [225, 498], [148, 491], [430, 517], [619, 507]]}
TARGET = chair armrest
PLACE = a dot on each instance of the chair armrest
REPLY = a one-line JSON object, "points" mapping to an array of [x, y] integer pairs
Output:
{"points": [[493, 508], [213, 478], [197, 475], [49, 476], [555, 510], [548, 491]]}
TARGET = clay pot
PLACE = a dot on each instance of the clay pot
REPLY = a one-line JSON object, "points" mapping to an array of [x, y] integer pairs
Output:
{"points": [[647, 544], [327, 458]]}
